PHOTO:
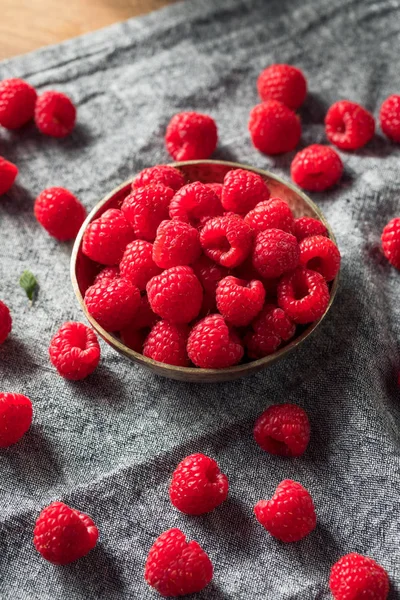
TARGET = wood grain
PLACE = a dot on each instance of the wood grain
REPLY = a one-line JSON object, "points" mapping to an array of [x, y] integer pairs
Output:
{"points": [[29, 24]]}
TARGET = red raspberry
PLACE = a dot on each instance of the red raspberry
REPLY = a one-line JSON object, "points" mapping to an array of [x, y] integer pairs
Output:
{"points": [[213, 345], [74, 351], [112, 303], [284, 83], [274, 128], [197, 485], [146, 207], [320, 254], [133, 338], [144, 317], [270, 327], [160, 174], [137, 263], [176, 294], [272, 214], [15, 417], [107, 273], [195, 203], [176, 244], [166, 343], [175, 567], [17, 103], [5, 322], [227, 240], [243, 190], [209, 274], [8, 174], [307, 226], [239, 301], [191, 136], [275, 252], [303, 295], [283, 429], [290, 514], [106, 238], [389, 116], [391, 242], [348, 125], [55, 115], [63, 534], [355, 576], [216, 188], [316, 168], [60, 213]]}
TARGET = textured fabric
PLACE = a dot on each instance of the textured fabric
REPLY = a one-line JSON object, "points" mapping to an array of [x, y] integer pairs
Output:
{"points": [[108, 445]]}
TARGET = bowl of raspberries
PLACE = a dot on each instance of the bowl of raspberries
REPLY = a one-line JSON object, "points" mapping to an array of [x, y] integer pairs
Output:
{"points": [[205, 270]]}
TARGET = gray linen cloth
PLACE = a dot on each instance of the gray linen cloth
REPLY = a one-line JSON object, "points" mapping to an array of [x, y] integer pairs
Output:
{"points": [[108, 445]]}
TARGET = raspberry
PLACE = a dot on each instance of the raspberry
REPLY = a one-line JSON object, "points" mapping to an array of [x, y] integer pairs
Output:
{"points": [[355, 576], [5, 322], [316, 168], [144, 316], [213, 345], [274, 128], [391, 242], [190, 136], [176, 244], [290, 514], [320, 254], [74, 351], [307, 226], [146, 207], [270, 327], [195, 203], [275, 252], [176, 294], [107, 273], [284, 83], [389, 116], [8, 174], [272, 214], [55, 115], [197, 485], [303, 295], [348, 125], [226, 240], [137, 263], [106, 238], [17, 103], [160, 174], [175, 567], [63, 534], [60, 213], [283, 429], [209, 274], [15, 417], [216, 188], [166, 343], [243, 190], [112, 303], [239, 301], [133, 338]]}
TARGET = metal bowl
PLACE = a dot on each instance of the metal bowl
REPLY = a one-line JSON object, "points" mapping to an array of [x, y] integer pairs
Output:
{"points": [[83, 270]]}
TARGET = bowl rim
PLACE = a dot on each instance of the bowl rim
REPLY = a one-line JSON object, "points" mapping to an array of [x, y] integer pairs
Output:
{"points": [[236, 369]]}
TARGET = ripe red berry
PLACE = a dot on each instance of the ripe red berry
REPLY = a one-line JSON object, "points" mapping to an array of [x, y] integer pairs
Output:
{"points": [[176, 295], [226, 240], [176, 243], [146, 207], [389, 116], [15, 417], [8, 174], [239, 301], [391, 242], [5, 322], [63, 534], [213, 345], [316, 168], [107, 273], [274, 128], [355, 576], [137, 263], [320, 254], [195, 203], [160, 174], [133, 338], [307, 226], [191, 136], [175, 567], [209, 274], [243, 190], [284, 83], [197, 485], [166, 343], [106, 238], [269, 329], [144, 317], [74, 351], [290, 514], [60, 213], [55, 114], [348, 125], [217, 188], [283, 429], [112, 303], [272, 214], [17, 103], [303, 295], [275, 252]]}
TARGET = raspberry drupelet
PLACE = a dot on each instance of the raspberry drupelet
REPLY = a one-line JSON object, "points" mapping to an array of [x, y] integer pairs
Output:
{"points": [[239, 301], [271, 214], [15, 417], [8, 175], [190, 136], [316, 168], [274, 128], [348, 125], [5, 322], [167, 342], [303, 295], [176, 244], [60, 213], [391, 242], [112, 303], [283, 429], [106, 238], [195, 203], [355, 576], [227, 240], [160, 174], [242, 191], [17, 103], [146, 207], [55, 114], [213, 345], [176, 294], [284, 83], [74, 351]]}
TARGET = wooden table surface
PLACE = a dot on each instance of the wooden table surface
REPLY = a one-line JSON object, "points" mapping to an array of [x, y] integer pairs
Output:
{"points": [[29, 24]]}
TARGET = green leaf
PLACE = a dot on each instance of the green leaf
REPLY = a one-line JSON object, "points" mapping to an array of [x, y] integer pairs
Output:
{"points": [[29, 283]]}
